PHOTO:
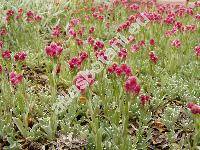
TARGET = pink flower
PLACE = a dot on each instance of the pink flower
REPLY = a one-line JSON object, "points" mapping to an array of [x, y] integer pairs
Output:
{"points": [[15, 78], [131, 85], [178, 25], [134, 7], [191, 28], [141, 43], [83, 80], [99, 44], [3, 31], [6, 54], [72, 32], [91, 30], [1, 68], [75, 22], [170, 19], [112, 68], [79, 42], [107, 25], [153, 57], [131, 39], [1, 45], [56, 32], [74, 63], [197, 50], [118, 71], [152, 42], [53, 50], [101, 55], [194, 108], [135, 48], [90, 40], [144, 99], [10, 13], [176, 43], [83, 56], [197, 4], [20, 56], [126, 70], [38, 18], [122, 53]]}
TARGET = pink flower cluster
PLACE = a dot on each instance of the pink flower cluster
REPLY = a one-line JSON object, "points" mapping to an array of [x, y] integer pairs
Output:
{"points": [[53, 50], [153, 57], [1, 68], [197, 50], [76, 62], [132, 86], [176, 43], [20, 56], [195, 109], [170, 19], [122, 53], [98, 45], [56, 32], [144, 99], [15, 78], [1, 44], [3, 31], [6, 54], [10, 13], [32, 17], [120, 70], [83, 80]]}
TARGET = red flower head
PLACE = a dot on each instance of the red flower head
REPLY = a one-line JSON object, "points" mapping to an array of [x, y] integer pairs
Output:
{"points": [[144, 99], [83, 56], [131, 85], [197, 51], [3, 31], [131, 38], [152, 42], [195, 109], [6, 54], [122, 53], [135, 48], [197, 17], [197, 4], [20, 56], [126, 70], [1, 45], [72, 32], [74, 62], [176, 43], [99, 44], [53, 50], [56, 32], [15, 78], [90, 40], [79, 42], [1, 68], [83, 80], [153, 57], [134, 7], [92, 29]]}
